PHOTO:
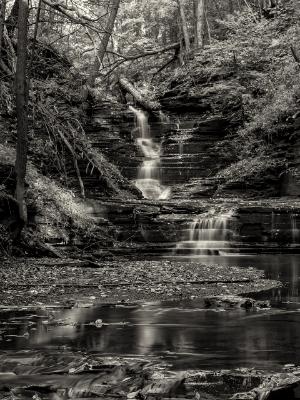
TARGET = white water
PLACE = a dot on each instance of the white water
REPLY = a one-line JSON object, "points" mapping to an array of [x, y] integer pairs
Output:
{"points": [[294, 228], [206, 236], [149, 179]]}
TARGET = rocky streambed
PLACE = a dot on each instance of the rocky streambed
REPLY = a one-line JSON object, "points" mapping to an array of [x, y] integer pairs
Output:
{"points": [[89, 377]]}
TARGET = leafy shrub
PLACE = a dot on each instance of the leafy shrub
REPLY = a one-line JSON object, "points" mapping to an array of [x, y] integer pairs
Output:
{"points": [[59, 206], [249, 168]]}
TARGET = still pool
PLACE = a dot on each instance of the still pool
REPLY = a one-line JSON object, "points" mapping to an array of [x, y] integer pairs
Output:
{"points": [[185, 333]]}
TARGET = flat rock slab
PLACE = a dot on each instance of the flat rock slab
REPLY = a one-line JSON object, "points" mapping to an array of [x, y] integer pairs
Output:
{"points": [[34, 283]]}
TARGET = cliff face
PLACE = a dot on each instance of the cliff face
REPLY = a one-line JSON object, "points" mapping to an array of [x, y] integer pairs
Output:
{"points": [[194, 150], [291, 182], [214, 109], [192, 155], [197, 129], [197, 136]]}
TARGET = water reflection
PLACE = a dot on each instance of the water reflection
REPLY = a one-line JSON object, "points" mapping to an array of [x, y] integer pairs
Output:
{"points": [[184, 333]]}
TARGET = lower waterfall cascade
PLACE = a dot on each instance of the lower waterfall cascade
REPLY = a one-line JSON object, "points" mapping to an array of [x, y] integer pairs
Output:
{"points": [[294, 229], [206, 236], [149, 175]]}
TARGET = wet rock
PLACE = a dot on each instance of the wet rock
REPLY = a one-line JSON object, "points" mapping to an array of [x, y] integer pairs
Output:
{"points": [[163, 388], [231, 301], [244, 396], [274, 387], [263, 304], [228, 301], [99, 323]]}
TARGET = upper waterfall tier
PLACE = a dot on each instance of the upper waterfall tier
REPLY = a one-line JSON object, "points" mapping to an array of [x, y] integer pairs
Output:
{"points": [[149, 173]]}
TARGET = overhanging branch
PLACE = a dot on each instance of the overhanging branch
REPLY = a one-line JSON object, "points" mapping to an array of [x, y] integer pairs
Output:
{"points": [[71, 12], [133, 57]]}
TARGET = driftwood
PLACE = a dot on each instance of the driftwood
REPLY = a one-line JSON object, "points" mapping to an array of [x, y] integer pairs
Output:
{"points": [[145, 103]]}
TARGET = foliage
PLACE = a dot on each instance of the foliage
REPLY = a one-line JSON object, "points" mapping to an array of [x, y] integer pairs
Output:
{"points": [[5, 238], [63, 123], [59, 207], [254, 64], [249, 168], [56, 107], [272, 94], [6, 98]]}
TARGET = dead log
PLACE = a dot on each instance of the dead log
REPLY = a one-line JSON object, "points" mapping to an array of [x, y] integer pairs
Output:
{"points": [[145, 103]]}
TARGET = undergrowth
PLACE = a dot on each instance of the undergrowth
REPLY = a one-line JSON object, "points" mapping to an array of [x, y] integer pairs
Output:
{"points": [[256, 65], [57, 114], [59, 208]]}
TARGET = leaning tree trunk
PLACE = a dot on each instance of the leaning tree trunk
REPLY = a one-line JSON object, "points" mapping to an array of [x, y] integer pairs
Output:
{"points": [[199, 7], [12, 19], [104, 43], [21, 109], [2, 21], [36, 30], [141, 100], [185, 31]]}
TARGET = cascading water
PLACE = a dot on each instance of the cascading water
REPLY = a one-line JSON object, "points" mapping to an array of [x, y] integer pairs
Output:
{"points": [[206, 236], [294, 228], [149, 179]]}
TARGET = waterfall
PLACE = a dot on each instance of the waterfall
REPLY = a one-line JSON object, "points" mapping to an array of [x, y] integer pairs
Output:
{"points": [[294, 229], [149, 179], [206, 236]]}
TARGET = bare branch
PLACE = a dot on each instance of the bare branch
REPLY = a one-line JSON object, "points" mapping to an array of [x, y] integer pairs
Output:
{"points": [[133, 57]]}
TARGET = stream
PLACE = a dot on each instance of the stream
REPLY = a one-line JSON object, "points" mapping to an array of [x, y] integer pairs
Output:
{"points": [[184, 334]]}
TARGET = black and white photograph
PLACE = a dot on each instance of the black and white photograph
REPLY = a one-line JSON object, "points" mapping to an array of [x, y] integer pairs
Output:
{"points": [[150, 199]]}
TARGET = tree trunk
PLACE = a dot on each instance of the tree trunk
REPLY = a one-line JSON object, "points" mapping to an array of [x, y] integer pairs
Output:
{"points": [[2, 21], [11, 22], [104, 43], [21, 109], [147, 104], [36, 30], [199, 7], [184, 27]]}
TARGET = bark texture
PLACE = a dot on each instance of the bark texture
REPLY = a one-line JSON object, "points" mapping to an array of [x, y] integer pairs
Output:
{"points": [[104, 43], [11, 22], [2, 21], [21, 109], [184, 26], [199, 7], [145, 103]]}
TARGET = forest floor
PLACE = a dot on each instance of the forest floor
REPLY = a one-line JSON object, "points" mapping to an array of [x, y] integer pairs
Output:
{"points": [[38, 282]]}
